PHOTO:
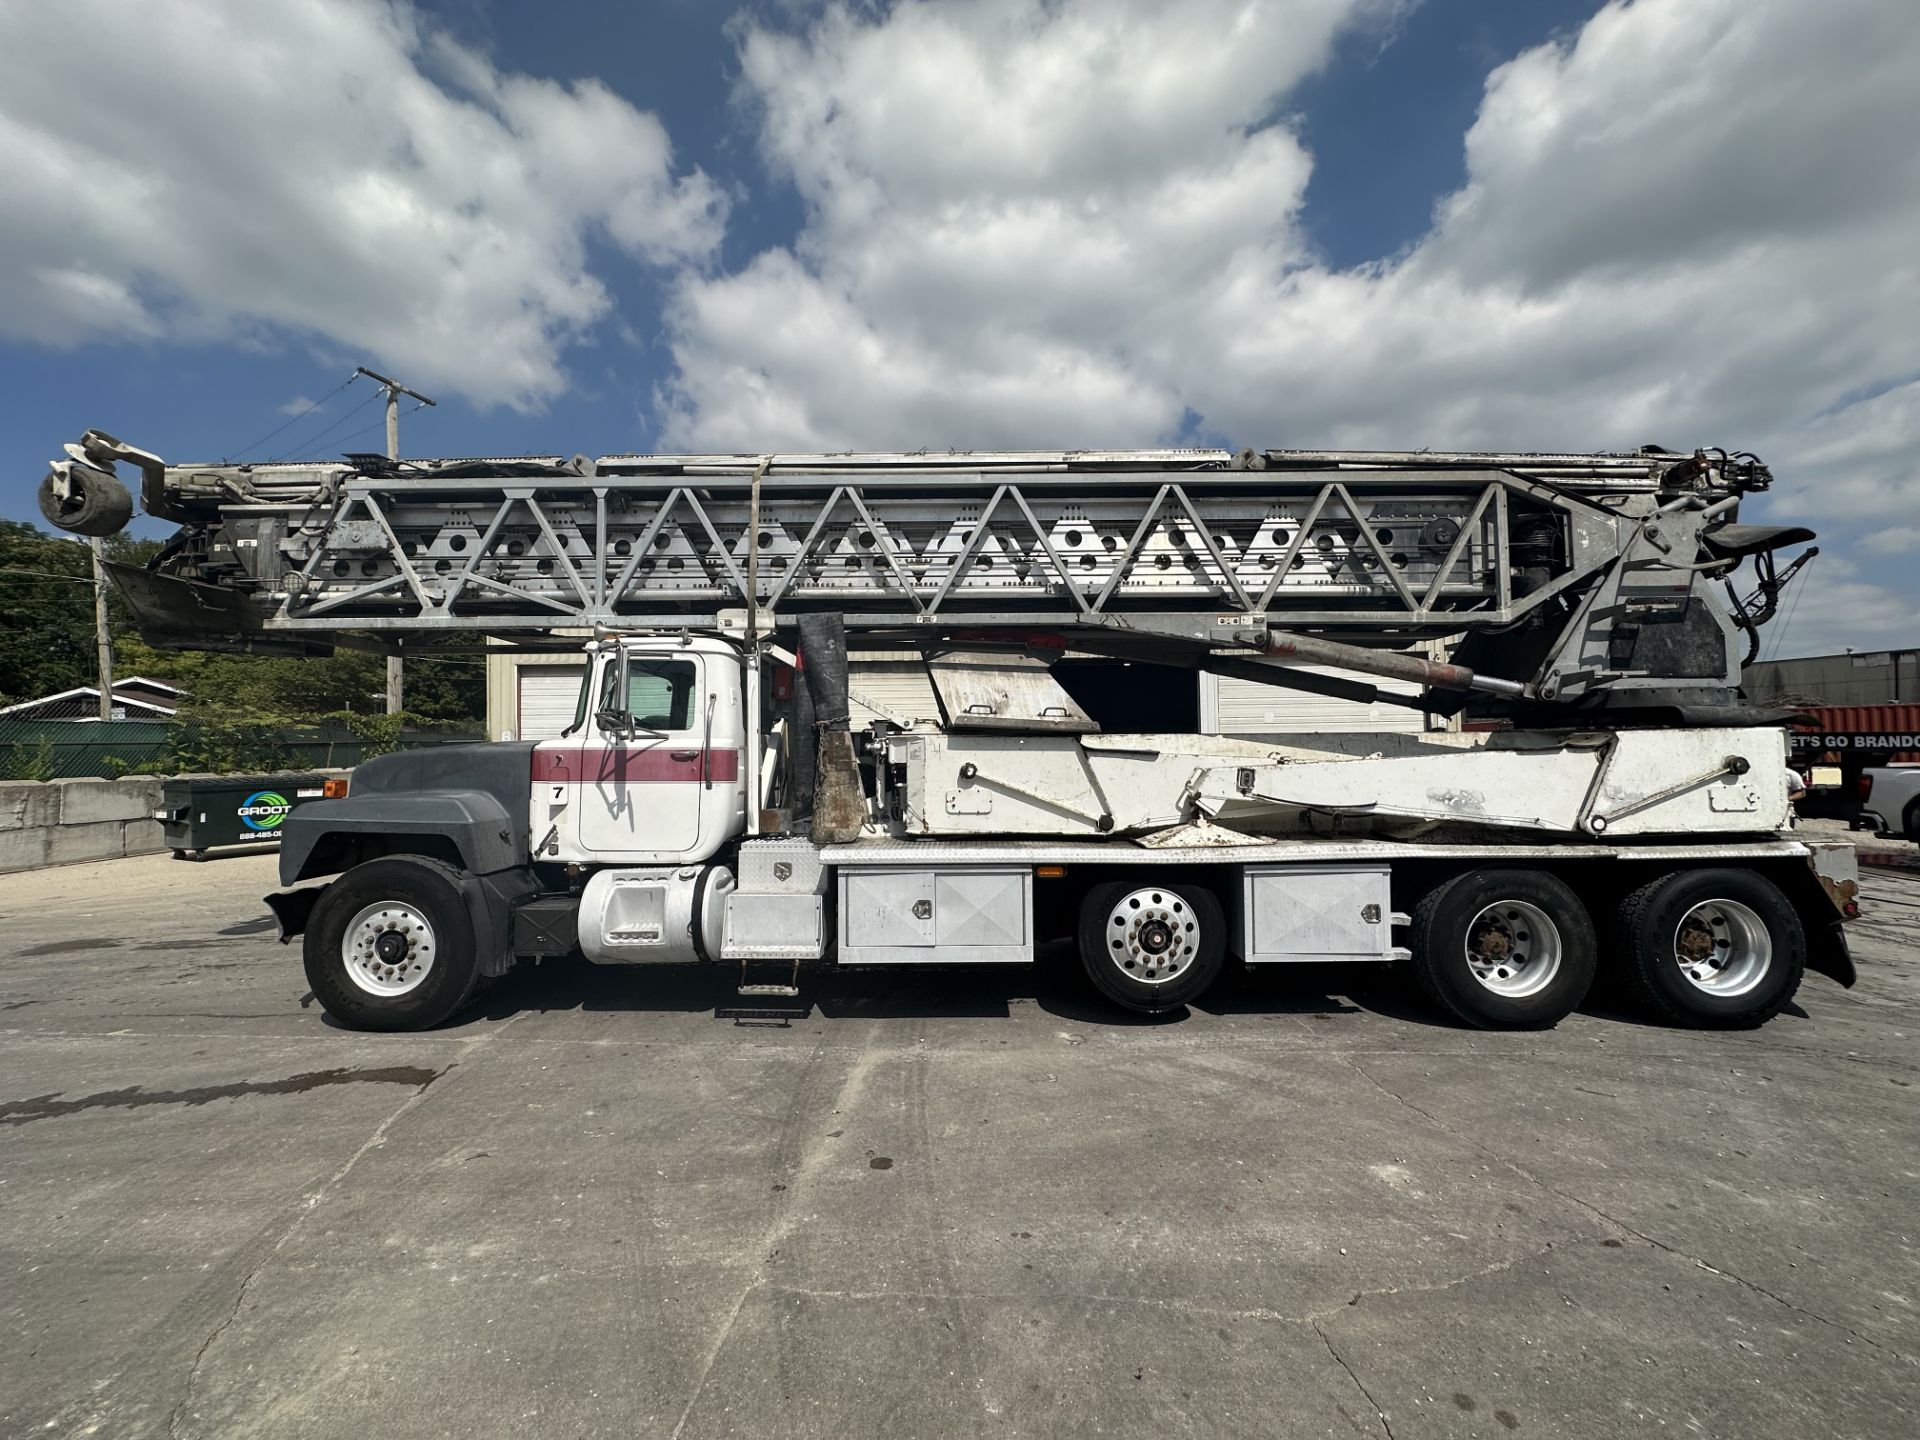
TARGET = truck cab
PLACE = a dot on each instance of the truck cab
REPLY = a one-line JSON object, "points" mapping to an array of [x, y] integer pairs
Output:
{"points": [[653, 769], [614, 840]]}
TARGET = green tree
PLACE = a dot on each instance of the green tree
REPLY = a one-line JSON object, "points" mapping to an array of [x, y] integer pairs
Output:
{"points": [[46, 609], [47, 645], [46, 614]]}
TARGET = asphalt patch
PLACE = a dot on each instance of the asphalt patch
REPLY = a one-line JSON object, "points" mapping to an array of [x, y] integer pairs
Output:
{"points": [[46, 1107], [70, 947]]}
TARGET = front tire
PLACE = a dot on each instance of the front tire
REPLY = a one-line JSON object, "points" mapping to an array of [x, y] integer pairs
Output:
{"points": [[1504, 949], [390, 945], [1152, 947], [1713, 949]]}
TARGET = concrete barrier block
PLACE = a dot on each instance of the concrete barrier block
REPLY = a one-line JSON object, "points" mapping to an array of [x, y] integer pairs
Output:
{"points": [[23, 849], [28, 804], [100, 840], [86, 802], [144, 837]]}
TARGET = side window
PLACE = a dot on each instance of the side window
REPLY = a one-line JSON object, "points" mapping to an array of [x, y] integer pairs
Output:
{"points": [[659, 693]]}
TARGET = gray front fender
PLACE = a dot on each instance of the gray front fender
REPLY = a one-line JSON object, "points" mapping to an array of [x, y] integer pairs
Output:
{"points": [[474, 823]]}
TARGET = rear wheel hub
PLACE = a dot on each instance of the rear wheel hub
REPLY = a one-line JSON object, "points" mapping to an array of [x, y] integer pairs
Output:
{"points": [[1723, 947], [1513, 949], [1152, 935]]}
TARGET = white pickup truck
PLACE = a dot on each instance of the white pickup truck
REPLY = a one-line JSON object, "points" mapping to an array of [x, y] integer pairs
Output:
{"points": [[1890, 800]]}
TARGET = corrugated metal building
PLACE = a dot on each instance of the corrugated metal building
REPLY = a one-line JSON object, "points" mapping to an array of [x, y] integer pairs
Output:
{"points": [[1878, 677]]}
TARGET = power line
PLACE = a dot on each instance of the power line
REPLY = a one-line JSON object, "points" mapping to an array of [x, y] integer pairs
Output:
{"points": [[255, 445], [44, 575], [312, 441]]}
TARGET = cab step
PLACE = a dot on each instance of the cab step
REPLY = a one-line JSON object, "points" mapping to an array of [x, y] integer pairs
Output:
{"points": [[789, 991], [774, 1014]]}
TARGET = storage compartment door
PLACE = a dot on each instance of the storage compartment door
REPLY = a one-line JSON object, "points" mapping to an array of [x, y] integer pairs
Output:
{"points": [[957, 916], [1316, 912]]}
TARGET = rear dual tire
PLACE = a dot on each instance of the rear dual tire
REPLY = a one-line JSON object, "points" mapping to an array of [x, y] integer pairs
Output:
{"points": [[1516, 949], [1712, 949], [1504, 949]]}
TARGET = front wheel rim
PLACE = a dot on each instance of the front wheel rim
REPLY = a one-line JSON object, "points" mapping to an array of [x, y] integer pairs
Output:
{"points": [[1513, 949], [1152, 936], [388, 949], [1723, 947]]}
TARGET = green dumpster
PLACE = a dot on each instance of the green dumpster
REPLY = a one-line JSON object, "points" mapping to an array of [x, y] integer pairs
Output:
{"points": [[199, 813]]}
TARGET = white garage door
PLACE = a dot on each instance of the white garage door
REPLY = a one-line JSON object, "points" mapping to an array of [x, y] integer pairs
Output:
{"points": [[549, 694], [1242, 707], [901, 685]]}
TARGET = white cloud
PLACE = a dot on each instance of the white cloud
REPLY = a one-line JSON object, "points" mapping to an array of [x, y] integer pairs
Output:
{"points": [[1072, 223], [1895, 540], [221, 169], [1017, 210]]}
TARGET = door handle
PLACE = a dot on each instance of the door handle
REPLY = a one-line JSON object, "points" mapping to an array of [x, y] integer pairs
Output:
{"points": [[684, 754]]}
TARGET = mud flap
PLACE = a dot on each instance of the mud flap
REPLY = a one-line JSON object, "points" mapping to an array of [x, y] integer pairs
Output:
{"points": [[491, 900], [292, 909], [1836, 869], [1827, 953]]}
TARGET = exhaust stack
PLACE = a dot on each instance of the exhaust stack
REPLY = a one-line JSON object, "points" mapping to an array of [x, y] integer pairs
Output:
{"points": [[839, 802]]}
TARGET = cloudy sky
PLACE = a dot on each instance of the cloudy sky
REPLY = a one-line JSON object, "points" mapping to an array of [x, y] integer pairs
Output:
{"points": [[679, 225]]}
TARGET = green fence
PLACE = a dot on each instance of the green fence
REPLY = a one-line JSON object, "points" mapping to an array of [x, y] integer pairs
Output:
{"points": [[73, 749]]}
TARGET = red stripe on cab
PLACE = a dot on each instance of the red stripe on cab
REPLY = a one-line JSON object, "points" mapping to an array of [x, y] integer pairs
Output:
{"points": [[626, 765]]}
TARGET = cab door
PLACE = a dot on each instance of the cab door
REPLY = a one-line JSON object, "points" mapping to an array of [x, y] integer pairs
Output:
{"points": [[642, 793]]}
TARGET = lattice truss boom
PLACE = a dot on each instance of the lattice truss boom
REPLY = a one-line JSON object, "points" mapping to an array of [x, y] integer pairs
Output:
{"points": [[1417, 550]]}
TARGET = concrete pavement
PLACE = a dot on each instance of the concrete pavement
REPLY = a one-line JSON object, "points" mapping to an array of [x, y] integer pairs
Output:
{"points": [[938, 1204]]}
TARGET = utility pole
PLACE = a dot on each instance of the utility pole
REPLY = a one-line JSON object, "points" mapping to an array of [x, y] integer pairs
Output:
{"points": [[394, 389], [102, 640]]}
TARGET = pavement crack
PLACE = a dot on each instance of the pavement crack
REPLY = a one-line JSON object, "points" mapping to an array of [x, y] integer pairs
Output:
{"points": [[1358, 1383], [1620, 1225], [308, 1204], [798, 1168], [179, 1411], [1486, 1272], [944, 1296], [953, 1294], [1347, 1059], [713, 1355], [1741, 1280]]}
